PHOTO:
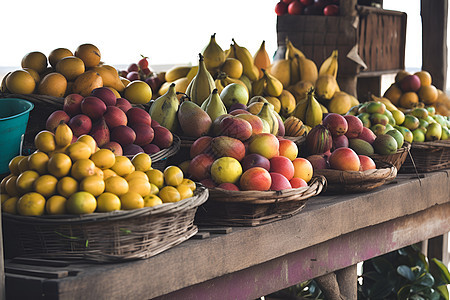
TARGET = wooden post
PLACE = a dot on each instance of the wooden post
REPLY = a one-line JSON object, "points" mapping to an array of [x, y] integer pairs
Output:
{"points": [[434, 40], [347, 279]]}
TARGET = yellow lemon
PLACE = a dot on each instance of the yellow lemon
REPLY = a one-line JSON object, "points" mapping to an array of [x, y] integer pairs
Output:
{"points": [[108, 173], [93, 184], [23, 164], [45, 141], [116, 185], [152, 200], [142, 162], [185, 191], [191, 184], [57, 54], [131, 200], [89, 140], [140, 186], [154, 190], [78, 150], [46, 185], [99, 172], [107, 202], [67, 186], [35, 60], [70, 67], [136, 174], [3, 183], [82, 168], [37, 161], [138, 92], [173, 175], [169, 194], [10, 205], [81, 203], [103, 158], [56, 205], [4, 197], [122, 166], [59, 165], [25, 181], [14, 165], [156, 177], [20, 82], [31, 204], [10, 186]]}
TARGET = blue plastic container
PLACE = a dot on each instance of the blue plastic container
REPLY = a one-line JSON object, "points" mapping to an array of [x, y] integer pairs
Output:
{"points": [[14, 114]]}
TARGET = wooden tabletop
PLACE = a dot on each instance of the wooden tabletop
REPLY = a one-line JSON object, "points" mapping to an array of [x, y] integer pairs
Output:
{"points": [[331, 233]]}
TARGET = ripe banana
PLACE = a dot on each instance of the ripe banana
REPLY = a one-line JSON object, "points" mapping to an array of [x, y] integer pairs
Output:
{"points": [[176, 72], [213, 54], [226, 80], [330, 65], [63, 134], [292, 51], [313, 115], [308, 69], [273, 87], [201, 85], [219, 87], [229, 53], [248, 64], [164, 109]]}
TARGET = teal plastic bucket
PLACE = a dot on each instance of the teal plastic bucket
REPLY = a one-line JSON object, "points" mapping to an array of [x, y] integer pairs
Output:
{"points": [[14, 114]]}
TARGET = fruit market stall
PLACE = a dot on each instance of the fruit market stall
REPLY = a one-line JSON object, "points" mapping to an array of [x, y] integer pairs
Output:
{"points": [[332, 233]]}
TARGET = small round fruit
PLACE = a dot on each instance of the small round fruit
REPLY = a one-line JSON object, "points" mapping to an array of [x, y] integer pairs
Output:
{"points": [[122, 166], [10, 186], [25, 181], [10, 205], [13, 165], [191, 184], [303, 169], [20, 82], [70, 67], [425, 77], [107, 202], [23, 165], [57, 54], [138, 92], [142, 162], [156, 177], [154, 190], [136, 174], [67, 186], [56, 205], [226, 169], [31, 204], [46, 185], [140, 186], [35, 60], [38, 161], [89, 54], [89, 140], [409, 100], [108, 173], [185, 191], [169, 194], [428, 94], [81, 203], [152, 200], [45, 141], [173, 175], [93, 184], [3, 198], [78, 150], [116, 185], [103, 158], [131, 200], [82, 168], [53, 84]]}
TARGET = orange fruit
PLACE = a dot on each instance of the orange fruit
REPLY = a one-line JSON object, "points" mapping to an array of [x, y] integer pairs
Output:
{"points": [[67, 186], [142, 162], [57, 54], [70, 67], [136, 174], [116, 185], [131, 200], [89, 140], [14, 164], [108, 173], [425, 77], [31, 204], [10, 186], [191, 184], [78, 150], [152, 200], [53, 84], [35, 60], [393, 93], [82, 168], [56, 205], [409, 100], [25, 181], [23, 165], [38, 161], [138, 92], [93, 184], [122, 166], [107, 202], [303, 169], [89, 54], [45, 141], [140, 186], [98, 172], [428, 94], [10, 205], [20, 82], [185, 191], [154, 190], [81, 203], [173, 175], [103, 158], [34, 74], [3, 183], [46, 185], [233, 67], [59, 165], [169, 194], [156, 177]]}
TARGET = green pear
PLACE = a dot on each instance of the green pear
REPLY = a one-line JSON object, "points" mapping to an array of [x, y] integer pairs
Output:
{"points": [[215, 106], [234, 93]]}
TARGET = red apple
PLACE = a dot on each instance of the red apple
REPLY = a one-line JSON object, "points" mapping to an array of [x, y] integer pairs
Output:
{"points": [[366, 162], [281, 8], [282, 165], [295, 8], [255, 160], [80, 124], [344, 159], [133, 75], [200, 167], [256, 178], [72, 104], [331, 10], [279, 182], [138, 115]]}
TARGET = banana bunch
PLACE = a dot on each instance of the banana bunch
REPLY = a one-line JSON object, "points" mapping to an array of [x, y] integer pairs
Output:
{"points": [[176, 72], [309, 110], [164, 109], [293, 126], [326, 84], [245, 57], [267, 85], [201, 85], [330, 65]]}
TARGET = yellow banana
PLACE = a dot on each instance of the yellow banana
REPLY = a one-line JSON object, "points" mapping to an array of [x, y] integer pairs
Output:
{"points": [[219, 86], [292, 51], [226, 80], [229, 53], [274, 87], [201, 85], [63, 134], [176, 72], [308, 69], [313, 115], [330, 65], [246, 58], [300, 109]]}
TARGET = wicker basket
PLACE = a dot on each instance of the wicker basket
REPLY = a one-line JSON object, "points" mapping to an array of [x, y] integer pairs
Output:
{"points": [[358, 181], [427, 157], [253, 208], [104, 237], [397, 159], [161, 159]]}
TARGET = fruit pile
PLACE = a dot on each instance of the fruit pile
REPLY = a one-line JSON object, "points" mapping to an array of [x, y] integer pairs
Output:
{"points": [[65, 72], [113, 122], [76, 177], [307, 7], [263, 162]]}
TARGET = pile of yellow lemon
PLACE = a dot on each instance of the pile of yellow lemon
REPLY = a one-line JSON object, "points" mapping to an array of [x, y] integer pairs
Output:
{"points": [[75, 177]]}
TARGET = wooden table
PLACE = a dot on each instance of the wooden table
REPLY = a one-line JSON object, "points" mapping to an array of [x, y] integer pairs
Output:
{"points": [[331, 233]]}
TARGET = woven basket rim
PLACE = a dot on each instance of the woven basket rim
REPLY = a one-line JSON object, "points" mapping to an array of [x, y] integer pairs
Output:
{"points": [[165, 153], [405, 148], [59, 101], [385, 172], [314, 187], [431, 144], [201, 194]]}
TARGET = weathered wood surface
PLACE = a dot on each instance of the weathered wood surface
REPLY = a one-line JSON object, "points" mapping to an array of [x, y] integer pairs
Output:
{"points": [[331, 233]]}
